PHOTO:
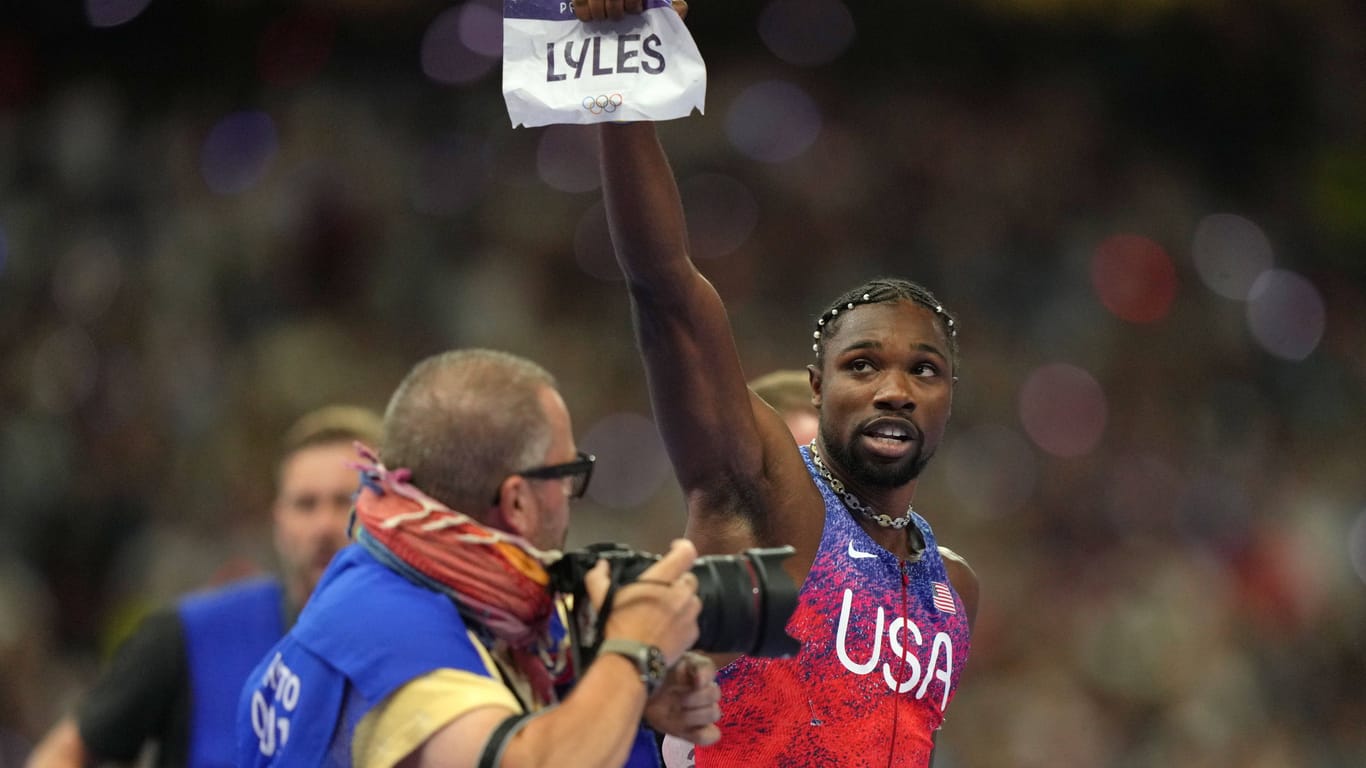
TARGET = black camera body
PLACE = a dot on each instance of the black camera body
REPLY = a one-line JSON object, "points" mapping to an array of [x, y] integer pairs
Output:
{"points": [[747, 598]]}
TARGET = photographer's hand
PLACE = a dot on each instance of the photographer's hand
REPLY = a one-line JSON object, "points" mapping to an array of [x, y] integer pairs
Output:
{"points": [[687, 704], [660, 608]]}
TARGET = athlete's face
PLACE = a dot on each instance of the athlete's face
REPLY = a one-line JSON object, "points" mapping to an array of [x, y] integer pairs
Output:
{"points": [[885, 391], [311, 511]]}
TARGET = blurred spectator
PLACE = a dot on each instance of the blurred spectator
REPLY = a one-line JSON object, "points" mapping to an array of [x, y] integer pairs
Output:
{"points": [[174, 684], [789, 392]]}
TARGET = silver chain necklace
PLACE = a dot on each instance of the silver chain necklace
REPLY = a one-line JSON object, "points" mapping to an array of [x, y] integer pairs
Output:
{"points": [[853, 502]]}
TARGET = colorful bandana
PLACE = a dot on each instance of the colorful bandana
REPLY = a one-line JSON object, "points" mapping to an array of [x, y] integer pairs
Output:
{"points": [[497, 579]]}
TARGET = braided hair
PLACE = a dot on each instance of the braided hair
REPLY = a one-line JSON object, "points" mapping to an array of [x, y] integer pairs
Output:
{"points": [[877, 291]]}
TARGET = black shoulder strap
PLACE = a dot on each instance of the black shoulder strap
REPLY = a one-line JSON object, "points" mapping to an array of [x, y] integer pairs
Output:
{"points": [[498, 740]]}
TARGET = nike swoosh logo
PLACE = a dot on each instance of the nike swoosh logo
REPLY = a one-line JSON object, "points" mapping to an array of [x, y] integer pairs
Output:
{"points": [[859, 554]]}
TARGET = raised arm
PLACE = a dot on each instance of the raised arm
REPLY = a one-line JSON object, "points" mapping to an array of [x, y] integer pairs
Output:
{"points": [[696, 382], [733, 455]]}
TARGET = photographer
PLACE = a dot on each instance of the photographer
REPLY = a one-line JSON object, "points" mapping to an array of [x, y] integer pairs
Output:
{"points": [[435, 640]]}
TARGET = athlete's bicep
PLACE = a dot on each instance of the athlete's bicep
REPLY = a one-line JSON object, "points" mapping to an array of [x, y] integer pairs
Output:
{"points": [[697, 386]]}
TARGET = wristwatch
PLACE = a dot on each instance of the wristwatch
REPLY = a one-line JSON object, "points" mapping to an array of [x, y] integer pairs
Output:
{"points": [[648, 659]]}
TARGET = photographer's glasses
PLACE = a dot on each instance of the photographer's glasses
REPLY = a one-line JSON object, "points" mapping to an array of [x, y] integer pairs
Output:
{"points": [[580, 470]]}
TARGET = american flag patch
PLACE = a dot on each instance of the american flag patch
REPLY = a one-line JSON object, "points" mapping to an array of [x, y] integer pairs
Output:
{"points": [[943, 597]]}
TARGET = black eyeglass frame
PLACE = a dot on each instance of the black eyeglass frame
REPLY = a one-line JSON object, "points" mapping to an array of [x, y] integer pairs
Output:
{"points": [[581, 467]]}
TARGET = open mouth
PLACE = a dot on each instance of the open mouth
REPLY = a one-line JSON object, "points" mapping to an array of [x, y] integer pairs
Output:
{"points": [[890, 437]]}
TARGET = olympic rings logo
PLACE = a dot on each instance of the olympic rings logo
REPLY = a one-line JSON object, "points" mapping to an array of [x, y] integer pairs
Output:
{"points": [[600, 104]]}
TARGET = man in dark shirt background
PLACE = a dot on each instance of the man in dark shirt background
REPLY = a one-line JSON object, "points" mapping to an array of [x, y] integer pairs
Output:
{"points": [[175, 681]]}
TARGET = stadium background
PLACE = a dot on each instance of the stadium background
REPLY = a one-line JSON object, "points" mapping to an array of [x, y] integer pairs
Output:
{"points": [[1149, 216]]}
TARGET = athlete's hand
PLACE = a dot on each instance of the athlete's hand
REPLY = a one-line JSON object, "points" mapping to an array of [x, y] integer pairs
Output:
{"points": [[687, 705], [599, 10]]}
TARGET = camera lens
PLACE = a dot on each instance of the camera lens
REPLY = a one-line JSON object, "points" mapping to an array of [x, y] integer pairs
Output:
{"points": [[747, 600]]}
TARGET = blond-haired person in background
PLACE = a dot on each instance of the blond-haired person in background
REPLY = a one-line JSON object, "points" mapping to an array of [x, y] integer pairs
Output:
{"points": [[788, 390], [174, 682]]}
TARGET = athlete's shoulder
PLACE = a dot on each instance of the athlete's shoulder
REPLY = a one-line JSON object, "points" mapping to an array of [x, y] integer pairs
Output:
{"points": [[963, 578]]}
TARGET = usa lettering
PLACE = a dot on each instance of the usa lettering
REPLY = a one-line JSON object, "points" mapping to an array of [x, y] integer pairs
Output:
{"points": [[939, 667], [603, 55], [269, 718]]}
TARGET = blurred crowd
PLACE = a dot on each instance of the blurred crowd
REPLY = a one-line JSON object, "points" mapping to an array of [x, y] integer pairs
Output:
{"points": [[1151, 222]]}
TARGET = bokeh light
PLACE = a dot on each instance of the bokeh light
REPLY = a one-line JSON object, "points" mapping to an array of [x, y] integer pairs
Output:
{"points": [[992, 470], [481, 28], [111, 13], [447, 57], [1134, 278], [1063, 409], [295, 48], [567, 158], [721, 214], [237, 152], [593, 245], [632, 465], [1230, 252], [773, 121], [806, 33], [1285, 314], [86, 279], [1356, 546], [452, 175]]}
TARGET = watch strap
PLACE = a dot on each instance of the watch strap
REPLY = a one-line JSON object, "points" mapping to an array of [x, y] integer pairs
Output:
{"points": [[648, 659]]}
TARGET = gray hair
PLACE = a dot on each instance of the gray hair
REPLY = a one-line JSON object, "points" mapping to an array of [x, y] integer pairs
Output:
{"points": [[464, 420]]}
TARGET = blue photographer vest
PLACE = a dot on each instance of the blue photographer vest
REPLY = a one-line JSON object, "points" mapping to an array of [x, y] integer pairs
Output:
{"points": [[365, 632], [226, 632]]}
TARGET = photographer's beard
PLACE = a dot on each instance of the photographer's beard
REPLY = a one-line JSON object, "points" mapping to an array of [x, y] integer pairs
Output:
{"points": [[551, 529]]}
